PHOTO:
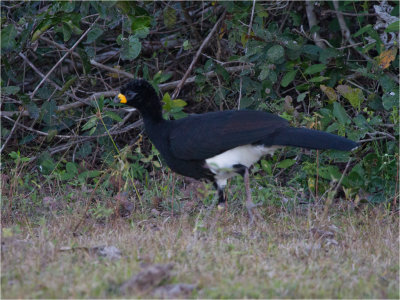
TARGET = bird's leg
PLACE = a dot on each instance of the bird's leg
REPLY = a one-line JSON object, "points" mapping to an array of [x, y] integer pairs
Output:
{"points": [[249, 203], [221, 199]]}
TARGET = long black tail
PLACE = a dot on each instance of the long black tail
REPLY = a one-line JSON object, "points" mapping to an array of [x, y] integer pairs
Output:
{"points": [[312, 139]]}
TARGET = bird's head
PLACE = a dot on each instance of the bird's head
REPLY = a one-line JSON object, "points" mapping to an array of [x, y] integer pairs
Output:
{"points": [[138, 93]]}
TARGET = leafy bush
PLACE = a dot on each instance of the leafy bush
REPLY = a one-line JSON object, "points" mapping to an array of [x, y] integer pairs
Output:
{"points": [[62, 62]]}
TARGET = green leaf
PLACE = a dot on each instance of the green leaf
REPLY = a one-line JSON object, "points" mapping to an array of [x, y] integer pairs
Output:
{"points": [[131, 48], [288, 78], [273, 76], [318, 79], [139, 22], [67, 31], [169, 16], [10, 90], [64, 176], [71, 168], [393, 27], [113, 116], [354, 95], [301, 97], [390, 100], [329, 172], [330, 92], [178, 103], [266, 166], [48, 111], [52, 133], [221, 71], [340, 113], [141, 32], [89, 124], [94, 34], [8, 35], [264, 73], [364, 29], [315, 69], [84, 150], [275, 53], [89, 174], [286, 163], [167, 102], [46, 163]]}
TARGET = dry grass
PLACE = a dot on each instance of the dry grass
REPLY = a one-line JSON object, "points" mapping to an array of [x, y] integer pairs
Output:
{"points": [[293, 254]]}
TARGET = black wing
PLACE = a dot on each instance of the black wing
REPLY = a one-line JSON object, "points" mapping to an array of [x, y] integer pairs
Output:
{"points": [[206, 135]]}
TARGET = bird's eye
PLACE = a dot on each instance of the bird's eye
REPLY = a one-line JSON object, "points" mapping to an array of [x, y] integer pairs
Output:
{"points": [[131, 94]]}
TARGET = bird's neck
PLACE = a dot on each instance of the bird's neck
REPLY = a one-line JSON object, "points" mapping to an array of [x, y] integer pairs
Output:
{"points": [[152, 110], [152, 118]]}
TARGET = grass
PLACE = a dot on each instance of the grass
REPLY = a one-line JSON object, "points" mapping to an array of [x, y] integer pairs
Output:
{"points": [[305, 252]]}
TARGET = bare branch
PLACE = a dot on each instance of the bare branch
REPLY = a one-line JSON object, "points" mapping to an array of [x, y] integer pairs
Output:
{"points": [[205, 42], [62, 58], [11, 132], [312, 21]]}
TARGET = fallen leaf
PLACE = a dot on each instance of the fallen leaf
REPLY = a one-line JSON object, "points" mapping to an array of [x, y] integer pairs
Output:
{"points": [[179, 290], [148, 278], [110, 252], [126, 206], [329, 92], [386, 57]]}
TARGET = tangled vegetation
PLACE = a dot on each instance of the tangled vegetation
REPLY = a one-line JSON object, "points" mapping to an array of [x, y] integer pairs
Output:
{"points": [[326, 65], [77, 170]]}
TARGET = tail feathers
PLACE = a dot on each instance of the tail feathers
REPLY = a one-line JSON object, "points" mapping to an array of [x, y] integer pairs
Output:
{"points": [[312, 139]]}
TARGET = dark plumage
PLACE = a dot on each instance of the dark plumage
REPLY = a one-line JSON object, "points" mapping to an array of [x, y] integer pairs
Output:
{"points": [[219, 145]]}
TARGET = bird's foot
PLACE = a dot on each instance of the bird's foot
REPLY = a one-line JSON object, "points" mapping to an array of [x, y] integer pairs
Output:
{"points": [[254, 214], [221, 206]]}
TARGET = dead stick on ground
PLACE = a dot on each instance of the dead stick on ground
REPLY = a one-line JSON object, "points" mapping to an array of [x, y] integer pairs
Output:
{"points": [[62, 58], [196, 57]]}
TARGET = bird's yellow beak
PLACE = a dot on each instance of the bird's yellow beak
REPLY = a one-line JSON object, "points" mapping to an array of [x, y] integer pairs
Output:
{"points": [[122, 98]]}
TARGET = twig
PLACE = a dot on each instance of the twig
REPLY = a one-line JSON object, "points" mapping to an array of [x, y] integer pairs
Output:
{"points": [[64, 107], [286, 16], [373, 139], [62, 58], [245, 51], [38, 71], [196, 57], [240, 92], [341, 178], [173, 84], [38, 131], [88, 138], [120, 72], [164, 87], [312, 21], [11, 132], [345, 13], [381, 133], [345, 30]]}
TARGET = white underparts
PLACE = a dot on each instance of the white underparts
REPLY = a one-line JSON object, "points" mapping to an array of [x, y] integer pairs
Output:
{"points": [[222, 165]]}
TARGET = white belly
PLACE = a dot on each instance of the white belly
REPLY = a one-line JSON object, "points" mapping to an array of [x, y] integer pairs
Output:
{"points": [[222, 164]]}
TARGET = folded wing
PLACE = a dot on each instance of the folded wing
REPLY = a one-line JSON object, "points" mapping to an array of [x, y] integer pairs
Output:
{"points": [[202, 137]]}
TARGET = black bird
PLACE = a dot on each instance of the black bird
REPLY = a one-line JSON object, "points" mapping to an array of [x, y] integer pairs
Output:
{"points": [[219, 145]]}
